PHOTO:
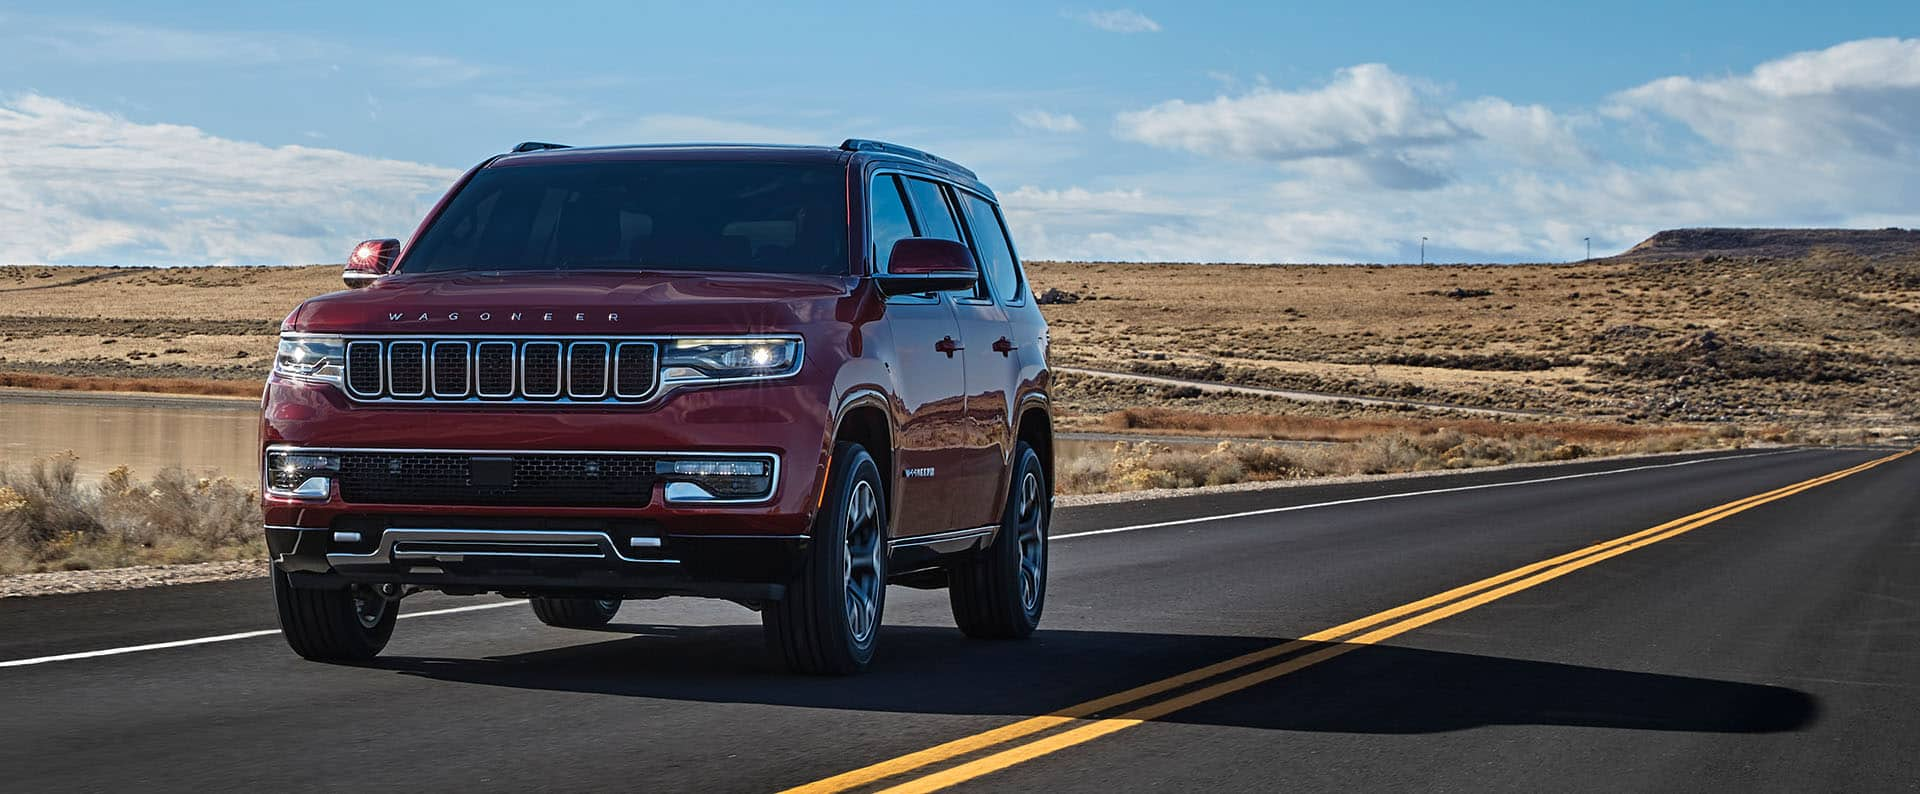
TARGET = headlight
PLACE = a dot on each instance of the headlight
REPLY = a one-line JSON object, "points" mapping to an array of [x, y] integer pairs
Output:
{"points": [[302, 475], [695, 360], [311, 357]]}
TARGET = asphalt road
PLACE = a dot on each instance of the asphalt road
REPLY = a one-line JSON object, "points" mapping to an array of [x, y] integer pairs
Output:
{"points": [[1775, 647]]}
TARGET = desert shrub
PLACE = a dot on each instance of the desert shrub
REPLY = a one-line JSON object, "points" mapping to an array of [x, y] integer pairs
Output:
{"points": [[50, 520]]}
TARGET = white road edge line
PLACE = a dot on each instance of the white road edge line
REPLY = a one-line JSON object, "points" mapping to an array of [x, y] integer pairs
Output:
{"points": [[247, 635], [1384, 497]]}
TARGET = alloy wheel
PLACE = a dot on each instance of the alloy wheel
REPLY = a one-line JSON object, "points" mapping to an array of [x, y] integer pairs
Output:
{"points": [[1030, 530], [862, 562]]}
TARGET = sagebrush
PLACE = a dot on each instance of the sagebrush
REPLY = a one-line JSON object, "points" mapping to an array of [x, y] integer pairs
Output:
{"points": [[51, 520]]}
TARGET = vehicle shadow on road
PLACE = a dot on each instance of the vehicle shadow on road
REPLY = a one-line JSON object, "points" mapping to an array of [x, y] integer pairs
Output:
{"points": [[1373, 689]]}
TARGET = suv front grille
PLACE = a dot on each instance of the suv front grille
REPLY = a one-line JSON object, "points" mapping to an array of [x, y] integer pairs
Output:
{"points": [[487, 370], [517, 479]]}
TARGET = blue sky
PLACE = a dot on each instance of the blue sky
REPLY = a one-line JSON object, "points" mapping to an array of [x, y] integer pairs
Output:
{"points": [[247, 132]]}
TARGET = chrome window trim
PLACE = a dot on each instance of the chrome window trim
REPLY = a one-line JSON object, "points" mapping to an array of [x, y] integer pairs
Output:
{"points": [[559, 362], [466, 387], [773, 460], [513, 373], [379, 370], [606, 370], [386, 368]]}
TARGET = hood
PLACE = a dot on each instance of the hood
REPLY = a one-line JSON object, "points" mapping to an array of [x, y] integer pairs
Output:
{"points": [[577, 302]]}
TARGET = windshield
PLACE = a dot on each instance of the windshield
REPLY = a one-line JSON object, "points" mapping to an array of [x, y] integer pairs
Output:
{"points": [[656, 215]]}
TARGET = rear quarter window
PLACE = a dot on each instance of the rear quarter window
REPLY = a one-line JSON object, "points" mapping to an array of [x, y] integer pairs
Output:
{"points": [[991, 245]]}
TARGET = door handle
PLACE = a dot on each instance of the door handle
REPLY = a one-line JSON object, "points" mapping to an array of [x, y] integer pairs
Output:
{"points": [[947, 346], [1004, 346]]}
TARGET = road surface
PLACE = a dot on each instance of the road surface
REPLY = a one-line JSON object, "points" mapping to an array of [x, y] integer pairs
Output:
{"points": [[1733, 621]]}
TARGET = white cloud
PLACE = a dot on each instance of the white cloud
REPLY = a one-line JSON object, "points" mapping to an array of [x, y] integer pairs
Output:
{"points": [[1048, 122], [1382, 123], [1825, 138], [82, 186], [1119, 20], [1858, 97]]}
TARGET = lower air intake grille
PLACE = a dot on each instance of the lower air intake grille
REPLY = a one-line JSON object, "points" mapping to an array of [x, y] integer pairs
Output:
{"points": [[571, 480]]}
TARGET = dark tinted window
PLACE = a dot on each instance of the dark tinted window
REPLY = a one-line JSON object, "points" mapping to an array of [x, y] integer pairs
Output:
{"points": [[990, 244], [657, 215], [890, 223], [930, 208]]}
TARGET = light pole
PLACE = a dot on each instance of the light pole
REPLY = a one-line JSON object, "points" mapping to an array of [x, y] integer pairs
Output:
{"points": [[1589, 247], [1423, 250]]}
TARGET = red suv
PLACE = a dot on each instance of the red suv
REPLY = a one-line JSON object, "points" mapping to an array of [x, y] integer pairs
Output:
{"points": [[786, 376]]}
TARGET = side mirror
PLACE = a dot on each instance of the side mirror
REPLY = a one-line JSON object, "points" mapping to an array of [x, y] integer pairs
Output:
{"points": [[370, 260], [927, 264]]}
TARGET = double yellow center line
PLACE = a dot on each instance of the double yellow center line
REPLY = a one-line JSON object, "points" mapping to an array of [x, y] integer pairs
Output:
{"points": [[1145, 702]]}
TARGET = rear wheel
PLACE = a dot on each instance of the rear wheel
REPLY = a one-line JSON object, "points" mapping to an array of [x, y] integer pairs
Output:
{"points": [[575, 613], [350, 624], [830, 617], [999, 592]]}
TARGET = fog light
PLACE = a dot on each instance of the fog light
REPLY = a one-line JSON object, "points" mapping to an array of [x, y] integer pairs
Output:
{"points": [[708, 479], [301, 475]]}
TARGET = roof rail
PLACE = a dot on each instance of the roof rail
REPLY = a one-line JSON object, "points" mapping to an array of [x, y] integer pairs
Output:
{"points": [[864, 145], [537, 146]]}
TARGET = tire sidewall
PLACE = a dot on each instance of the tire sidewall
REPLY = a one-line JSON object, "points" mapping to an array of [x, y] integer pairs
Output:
{"points": [[831, 539], [1008, 542]]}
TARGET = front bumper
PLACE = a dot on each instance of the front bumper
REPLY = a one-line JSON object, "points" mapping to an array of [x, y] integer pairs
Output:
{"points": [[568, 558], [781, 421]]}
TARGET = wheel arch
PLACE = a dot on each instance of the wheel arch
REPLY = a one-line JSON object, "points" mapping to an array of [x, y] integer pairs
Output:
{"points": [[1036, 429], [864, 418]]}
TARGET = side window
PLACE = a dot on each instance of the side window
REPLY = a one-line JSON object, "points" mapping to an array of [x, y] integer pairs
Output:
{"points": [[931, 209], [990, 243], [889, 222]]}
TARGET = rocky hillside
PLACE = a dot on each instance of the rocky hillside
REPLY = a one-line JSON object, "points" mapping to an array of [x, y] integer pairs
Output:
{"points": [[1775, 244]]}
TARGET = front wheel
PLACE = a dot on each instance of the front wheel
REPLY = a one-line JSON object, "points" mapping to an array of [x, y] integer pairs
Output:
{"points": [[830, 617], [575, 613], [349, 624], [999, 592]]}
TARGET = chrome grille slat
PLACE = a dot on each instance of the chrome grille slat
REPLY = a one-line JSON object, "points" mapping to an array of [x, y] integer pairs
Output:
{"points": [[364, 368], [452, 361], [425, 369], [635, 370], [493, 369], [587, 370], [407, 369], [540, 369]]}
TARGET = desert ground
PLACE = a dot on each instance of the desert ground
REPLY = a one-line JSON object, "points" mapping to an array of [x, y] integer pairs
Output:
{"points": [[1758, 328]]}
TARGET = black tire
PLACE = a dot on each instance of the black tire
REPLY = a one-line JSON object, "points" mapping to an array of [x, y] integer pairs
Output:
{"points": [[575, 613], [1000, 591], [350, 624], [829, 621]]}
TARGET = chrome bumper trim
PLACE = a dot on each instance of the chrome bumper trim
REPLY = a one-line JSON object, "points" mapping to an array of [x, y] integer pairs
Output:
{"points": [[446, 543]]}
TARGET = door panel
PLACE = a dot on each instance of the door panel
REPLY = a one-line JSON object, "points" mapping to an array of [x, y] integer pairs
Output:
{"points": [[988, 431], [929, 385]]}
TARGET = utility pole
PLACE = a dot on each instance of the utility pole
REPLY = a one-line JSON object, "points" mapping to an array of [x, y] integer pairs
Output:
{"points": [[1589, 248], [1423, 250]]}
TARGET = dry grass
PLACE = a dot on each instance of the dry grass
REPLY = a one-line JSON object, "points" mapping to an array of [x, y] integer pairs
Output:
{"points": [[35, 380], [1145, 465], [1292, 427], [50, 520]]}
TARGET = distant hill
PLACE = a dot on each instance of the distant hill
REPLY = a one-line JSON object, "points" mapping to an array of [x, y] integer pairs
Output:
{"points": [[1774, 243]]}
